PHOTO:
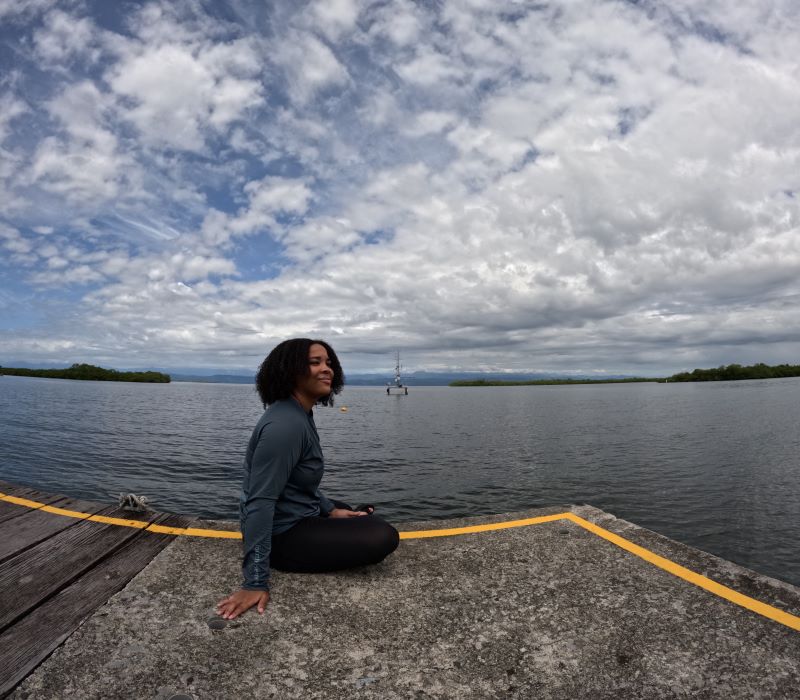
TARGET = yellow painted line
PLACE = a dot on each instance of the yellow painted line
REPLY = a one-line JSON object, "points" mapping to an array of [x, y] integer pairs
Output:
{"points": [[21, 501], [663, 563], [449, 532], [36, 505], [122, 522], [65, 512], [682, 572], [195, 532]]}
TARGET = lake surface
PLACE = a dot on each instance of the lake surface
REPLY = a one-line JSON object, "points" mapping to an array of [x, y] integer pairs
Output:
{"points": [[715, 465]]}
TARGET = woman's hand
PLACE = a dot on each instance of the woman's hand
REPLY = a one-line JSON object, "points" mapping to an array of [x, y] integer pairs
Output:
{"points": [[240, 602], [344, 513]]}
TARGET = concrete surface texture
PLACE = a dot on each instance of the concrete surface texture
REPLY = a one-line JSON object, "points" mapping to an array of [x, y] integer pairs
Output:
{"points": [[544, 611]]}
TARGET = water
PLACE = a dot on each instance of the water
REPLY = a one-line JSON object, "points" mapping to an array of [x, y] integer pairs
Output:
{"points": [[715, 465]]}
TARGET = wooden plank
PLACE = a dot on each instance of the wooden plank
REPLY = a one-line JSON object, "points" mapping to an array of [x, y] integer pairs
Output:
{"points": [[6, 487], [35, 526], [26, 492], [32, 576], [11, 510], [24, 645]]}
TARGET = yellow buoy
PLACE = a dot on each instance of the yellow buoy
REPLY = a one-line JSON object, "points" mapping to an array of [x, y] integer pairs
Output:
{"points": [[343, 409]]}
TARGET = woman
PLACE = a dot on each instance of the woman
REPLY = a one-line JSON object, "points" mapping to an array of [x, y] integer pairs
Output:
{"points": [[286, 521]]}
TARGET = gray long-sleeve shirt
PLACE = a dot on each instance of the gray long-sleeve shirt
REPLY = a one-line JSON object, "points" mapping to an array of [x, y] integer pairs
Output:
{"points": [[282, 470]]}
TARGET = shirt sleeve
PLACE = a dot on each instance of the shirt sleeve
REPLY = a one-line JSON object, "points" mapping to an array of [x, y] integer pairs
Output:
{"points": [[325, 504], [278, 450]]}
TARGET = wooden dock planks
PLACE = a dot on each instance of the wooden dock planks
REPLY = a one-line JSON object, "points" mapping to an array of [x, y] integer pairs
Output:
{"points": [[9, 511], [55, 571], [30, 528]]}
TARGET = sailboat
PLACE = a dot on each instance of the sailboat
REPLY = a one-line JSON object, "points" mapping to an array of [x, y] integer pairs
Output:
{"points": [[397, 386]]}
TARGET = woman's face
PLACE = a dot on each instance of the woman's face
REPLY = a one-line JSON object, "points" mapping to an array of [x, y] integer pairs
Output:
{"points": [[317, 383]]}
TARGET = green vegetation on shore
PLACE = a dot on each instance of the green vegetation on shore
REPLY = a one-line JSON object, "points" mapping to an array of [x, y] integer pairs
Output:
{"points": [[83, 371], [718, 374], [734, 372]]}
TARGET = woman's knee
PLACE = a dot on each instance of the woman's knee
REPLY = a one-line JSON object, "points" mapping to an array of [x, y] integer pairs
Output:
{"points": [[383, 539], [392, 538]]}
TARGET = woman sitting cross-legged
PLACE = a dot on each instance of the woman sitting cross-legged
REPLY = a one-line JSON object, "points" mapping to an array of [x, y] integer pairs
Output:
{"points": [[286, 520]]}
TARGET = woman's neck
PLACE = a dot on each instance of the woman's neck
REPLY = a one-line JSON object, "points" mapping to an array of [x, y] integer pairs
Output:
{"points": [[304, 400]]}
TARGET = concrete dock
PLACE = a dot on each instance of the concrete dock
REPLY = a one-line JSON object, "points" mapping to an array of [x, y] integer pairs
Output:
{"points": [[543, 609]]}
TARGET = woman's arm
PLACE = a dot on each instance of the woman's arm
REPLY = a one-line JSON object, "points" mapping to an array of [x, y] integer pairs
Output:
{"points": [[326, 505], [277, 451]]}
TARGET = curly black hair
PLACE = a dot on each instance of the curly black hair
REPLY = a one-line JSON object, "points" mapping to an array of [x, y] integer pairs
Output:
{"points": [[277, 376]]}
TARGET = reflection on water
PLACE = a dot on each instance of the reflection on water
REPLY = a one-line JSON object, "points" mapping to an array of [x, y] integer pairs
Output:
{"points": [[715, 465]]}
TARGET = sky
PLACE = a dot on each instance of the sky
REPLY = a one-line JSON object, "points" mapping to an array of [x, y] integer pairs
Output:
{"points": [[579, 186]]}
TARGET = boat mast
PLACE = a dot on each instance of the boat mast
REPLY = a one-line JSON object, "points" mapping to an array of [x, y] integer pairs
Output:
{"points": [[397, 379]]}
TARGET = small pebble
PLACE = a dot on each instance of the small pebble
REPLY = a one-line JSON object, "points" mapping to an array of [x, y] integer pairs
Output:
{"points": [[217, 623]]}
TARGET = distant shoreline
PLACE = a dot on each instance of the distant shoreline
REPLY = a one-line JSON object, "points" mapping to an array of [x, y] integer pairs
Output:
{"points": [[553, 382], [83, 372], [467, 379], [719, 374]]}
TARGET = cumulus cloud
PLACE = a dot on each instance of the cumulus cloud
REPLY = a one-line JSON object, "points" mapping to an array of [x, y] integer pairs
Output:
{"points": [[430, 122], [593, 186], [16, 10], [333, 17], [401, 22], [83, 162], [13, 241], [310, 66], [63, 37], [267, 199], [10, 109], [178, 91], [429, 68]]}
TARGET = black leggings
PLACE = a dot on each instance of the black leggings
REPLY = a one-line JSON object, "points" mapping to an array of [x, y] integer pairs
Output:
{"points": [[319, 544]]}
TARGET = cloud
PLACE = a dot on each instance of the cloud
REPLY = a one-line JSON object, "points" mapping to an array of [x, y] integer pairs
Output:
{"points": [[428, 68], [10, 109], [431, 122], [83, 163], [310, 66], [319, 239], [334, 17], [181, 91], [588, 185], [401, 22], [268, 198], [13, 241], [77, 274], [15, 10], [63, 37]]}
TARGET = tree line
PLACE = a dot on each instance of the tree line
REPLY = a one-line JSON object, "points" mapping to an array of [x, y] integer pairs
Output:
{"points": [[84, 371], [717, 374], [733, 372]]}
